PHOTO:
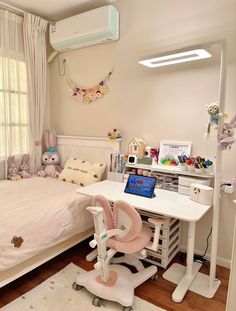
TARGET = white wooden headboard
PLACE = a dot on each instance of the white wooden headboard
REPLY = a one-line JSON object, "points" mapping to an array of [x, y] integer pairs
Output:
{"points": [[93, 149]]}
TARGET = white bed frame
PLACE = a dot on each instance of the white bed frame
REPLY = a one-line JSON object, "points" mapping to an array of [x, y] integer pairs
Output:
{"points": [[94, 149]]}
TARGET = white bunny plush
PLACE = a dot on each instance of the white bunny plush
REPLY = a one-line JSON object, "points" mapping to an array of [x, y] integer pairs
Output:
{"points": [[24, 167], [50, 159], [12, 170], [226, 138]]}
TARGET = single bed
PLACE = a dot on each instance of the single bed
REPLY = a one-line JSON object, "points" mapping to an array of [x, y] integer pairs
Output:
{"points": [[42, 217]]}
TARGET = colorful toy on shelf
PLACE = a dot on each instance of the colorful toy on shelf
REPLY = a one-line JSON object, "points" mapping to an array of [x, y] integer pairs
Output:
{"points": [[214, 111], [169, 160], [226, 139], [114, 134], [137, 147], [154, 154]]}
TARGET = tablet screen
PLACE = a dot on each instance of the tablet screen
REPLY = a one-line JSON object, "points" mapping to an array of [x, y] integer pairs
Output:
{"points": [[141, 185]]}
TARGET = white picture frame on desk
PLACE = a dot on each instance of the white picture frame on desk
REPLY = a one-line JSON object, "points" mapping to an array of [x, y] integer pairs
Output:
{"points": [[173, 149]]}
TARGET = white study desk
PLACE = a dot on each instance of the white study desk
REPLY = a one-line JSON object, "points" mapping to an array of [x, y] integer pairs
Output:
{"points": [[167, 203]]}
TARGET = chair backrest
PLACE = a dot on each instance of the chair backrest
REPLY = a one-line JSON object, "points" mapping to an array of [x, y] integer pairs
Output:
{"points": [[101, 201], [126, 216], [123, 216]]}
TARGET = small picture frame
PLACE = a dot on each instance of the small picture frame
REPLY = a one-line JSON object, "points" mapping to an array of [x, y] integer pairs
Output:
{"points": [[170, 150]]}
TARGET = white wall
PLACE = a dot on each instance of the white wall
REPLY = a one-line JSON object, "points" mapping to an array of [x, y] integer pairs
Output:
{"points": [[155, 104]]}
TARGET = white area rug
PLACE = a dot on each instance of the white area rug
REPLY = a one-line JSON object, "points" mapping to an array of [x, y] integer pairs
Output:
{"points": [[56, 294]]}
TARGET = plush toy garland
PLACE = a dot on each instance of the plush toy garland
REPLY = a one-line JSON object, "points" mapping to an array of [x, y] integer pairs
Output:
{"points": [[87, 95]]}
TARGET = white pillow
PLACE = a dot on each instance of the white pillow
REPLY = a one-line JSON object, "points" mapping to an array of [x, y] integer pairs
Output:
{"points": [[82, 172]]}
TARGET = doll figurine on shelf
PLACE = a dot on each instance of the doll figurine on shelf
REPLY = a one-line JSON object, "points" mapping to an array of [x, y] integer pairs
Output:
{"points": [[50, 159], [115, 134]]}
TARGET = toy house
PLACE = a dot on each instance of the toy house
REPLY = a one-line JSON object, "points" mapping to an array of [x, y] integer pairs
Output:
{"points": [[136, 147]]}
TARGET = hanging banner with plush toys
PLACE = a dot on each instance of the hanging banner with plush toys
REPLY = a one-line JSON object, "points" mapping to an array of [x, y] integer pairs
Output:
{"points": [[87, 95]]}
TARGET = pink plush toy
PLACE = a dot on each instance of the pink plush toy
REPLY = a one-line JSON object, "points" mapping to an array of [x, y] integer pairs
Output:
{"points": [[24, 167], [12, 170], [226, 139], [50, 159]]}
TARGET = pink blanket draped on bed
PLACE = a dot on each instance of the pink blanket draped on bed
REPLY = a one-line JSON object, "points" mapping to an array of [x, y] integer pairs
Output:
{"points": [[38, 213]]}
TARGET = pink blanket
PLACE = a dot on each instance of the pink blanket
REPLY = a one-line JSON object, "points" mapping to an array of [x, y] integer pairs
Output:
{"points": [[37, 213]]}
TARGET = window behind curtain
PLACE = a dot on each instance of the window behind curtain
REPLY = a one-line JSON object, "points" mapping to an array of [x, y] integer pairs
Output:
{"points": [[14, 115]]}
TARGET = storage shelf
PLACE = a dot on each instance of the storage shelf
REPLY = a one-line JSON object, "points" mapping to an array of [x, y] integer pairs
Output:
{"points": [[169, 240], [168, 169]]}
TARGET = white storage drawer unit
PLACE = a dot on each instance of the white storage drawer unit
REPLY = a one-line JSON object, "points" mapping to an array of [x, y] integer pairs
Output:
{"points": [[169, 241]]}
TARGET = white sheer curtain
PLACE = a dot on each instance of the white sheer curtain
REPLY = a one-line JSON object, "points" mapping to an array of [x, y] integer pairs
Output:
{"points": [[13, 89], [34, 29]]}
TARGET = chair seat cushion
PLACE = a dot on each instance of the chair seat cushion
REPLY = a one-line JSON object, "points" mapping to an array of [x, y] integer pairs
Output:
{"points": [[133, 246]]}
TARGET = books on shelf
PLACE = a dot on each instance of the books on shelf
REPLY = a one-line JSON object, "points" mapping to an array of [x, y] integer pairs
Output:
{"points": [[117, 162]]}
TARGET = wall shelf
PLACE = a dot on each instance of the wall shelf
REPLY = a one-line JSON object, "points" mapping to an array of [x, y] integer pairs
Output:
{"points": [[168, 170]]}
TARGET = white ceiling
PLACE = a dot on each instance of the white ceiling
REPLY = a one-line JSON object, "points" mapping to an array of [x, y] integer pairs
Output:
{"points": [[57, 9]]}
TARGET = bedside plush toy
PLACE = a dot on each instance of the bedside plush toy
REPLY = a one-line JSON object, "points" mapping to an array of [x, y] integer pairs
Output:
{"points": [[12, 170], [226, 139], [213, 110], [24, 167], [50, 159]]}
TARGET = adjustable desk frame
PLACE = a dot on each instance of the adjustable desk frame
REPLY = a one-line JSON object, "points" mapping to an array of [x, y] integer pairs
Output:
{"points": [[166, 203]]}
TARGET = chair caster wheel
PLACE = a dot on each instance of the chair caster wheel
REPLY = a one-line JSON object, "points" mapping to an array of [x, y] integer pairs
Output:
{"points": [[76, 286], [128, 308], [154, 277], [97, 301]]}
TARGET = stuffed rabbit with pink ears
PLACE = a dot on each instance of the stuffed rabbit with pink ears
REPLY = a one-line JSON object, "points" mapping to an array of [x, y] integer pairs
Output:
{"points": [[24, 167], [50, 159], [226, 138], [12, 170]]}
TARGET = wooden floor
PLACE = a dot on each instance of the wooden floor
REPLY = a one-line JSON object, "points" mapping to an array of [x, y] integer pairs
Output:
{"points": [[157, 292]]}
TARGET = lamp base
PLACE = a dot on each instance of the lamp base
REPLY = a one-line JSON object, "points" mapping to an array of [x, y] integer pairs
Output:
{"points": [[200, 284]]}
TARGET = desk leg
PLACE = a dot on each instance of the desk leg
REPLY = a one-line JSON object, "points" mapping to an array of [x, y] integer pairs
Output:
{"points": [[191, 269]]}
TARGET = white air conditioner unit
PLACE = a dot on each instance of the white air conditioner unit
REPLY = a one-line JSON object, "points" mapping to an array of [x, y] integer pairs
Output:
{"points": [[89, 28]]}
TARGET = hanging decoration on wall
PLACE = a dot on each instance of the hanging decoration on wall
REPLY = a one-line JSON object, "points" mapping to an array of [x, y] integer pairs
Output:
{"points": [[87, 95]]}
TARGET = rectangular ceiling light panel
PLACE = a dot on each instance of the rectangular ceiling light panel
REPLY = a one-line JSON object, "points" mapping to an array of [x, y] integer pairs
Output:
{"points": [[176, 58]]}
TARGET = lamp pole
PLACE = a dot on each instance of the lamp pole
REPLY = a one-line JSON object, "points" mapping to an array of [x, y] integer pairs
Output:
{"points": [[218, 169]]}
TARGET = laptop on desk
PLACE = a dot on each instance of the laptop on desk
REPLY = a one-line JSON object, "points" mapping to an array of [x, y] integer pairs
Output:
{"points": [[141, 185]]}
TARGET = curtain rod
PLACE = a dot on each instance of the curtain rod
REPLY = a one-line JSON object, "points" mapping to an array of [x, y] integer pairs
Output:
{"points": [[15, 9], [12, 8]]}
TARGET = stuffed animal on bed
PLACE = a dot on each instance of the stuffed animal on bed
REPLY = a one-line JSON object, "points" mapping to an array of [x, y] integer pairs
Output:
{"points": [[24, 167], [12, 170], [50, 159]]}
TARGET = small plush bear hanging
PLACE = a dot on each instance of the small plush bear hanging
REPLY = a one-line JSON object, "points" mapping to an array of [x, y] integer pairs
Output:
{"points": [[214, 111]]}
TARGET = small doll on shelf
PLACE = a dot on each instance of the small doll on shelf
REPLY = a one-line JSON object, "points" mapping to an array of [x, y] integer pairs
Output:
{"points": [[114, 134]]}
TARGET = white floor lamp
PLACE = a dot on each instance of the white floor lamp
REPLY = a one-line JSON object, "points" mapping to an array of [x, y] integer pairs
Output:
{"points": [[205, 285]]}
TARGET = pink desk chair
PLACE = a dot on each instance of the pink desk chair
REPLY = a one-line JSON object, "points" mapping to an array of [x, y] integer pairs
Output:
{"points": [[123, 232]]}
